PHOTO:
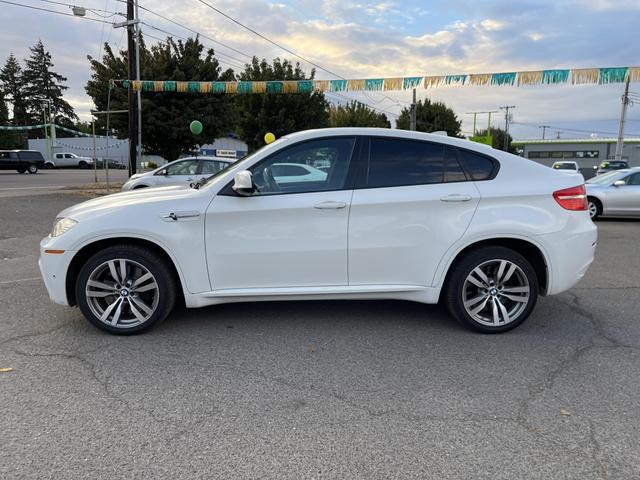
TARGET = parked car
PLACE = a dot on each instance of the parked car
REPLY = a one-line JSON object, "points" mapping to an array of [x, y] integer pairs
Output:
{"points": [[566, 165], [294, 172], [610, 165], [400, 215], [181, 172], [21, 160], [615, 193], [66, 160]]}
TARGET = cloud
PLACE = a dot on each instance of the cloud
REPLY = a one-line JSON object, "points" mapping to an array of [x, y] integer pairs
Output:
{"points": [[383, 38]]}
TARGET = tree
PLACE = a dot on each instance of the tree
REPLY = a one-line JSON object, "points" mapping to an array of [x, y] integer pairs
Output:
{"points": [[165, 116], [431, 117], [498, 139], [42, 84], [277, 113], [12, 82], [356, 114]]}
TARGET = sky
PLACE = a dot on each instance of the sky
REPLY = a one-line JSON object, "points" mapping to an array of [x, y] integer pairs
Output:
{"points": [[358, 39]]}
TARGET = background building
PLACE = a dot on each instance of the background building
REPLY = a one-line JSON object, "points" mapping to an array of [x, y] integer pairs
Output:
{"points": [[587, 152]]}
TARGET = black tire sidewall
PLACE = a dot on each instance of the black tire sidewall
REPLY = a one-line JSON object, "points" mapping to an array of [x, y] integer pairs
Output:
{"points": [[466, 264], [154, 263]]}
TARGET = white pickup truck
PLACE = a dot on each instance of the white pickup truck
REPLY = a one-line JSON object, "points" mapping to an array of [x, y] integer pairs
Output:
{"points": [[65, 159]]}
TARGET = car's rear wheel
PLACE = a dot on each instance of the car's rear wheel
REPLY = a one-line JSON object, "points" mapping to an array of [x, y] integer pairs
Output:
{"points": [[83, 165], [125, 289], [492, 289], [32, 168], [595, 208]]}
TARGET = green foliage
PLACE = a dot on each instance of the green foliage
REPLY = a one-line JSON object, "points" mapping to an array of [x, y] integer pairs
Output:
{"points": [[356, 114], [42, 83], [152, 165], [280, 114], [431, 117], [8, 139], [12, 82], [165, 116], [498, 139]]}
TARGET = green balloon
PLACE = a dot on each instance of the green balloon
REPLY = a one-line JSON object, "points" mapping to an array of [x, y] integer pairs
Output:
{"points": [[195, 127]]}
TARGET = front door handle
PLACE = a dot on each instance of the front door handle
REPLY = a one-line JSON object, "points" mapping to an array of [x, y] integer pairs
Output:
{"points": [[330, 205], [456, 197]]}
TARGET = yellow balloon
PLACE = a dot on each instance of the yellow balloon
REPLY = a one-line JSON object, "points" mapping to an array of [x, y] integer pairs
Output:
{"points": [[269, 137]]}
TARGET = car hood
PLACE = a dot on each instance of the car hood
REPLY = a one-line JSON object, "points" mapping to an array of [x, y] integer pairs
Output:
{"points": [[140, 175], [146, 200]]}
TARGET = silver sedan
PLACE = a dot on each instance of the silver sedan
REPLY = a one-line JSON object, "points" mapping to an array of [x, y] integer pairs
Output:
{"points": [[615, 193]]}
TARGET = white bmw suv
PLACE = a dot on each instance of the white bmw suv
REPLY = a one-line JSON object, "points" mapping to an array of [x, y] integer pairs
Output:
{"points": [[398, 215]]}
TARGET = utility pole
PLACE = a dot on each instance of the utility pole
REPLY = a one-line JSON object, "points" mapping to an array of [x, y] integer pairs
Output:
{"points": [[414, 112], [623, 116], [544, 129], [95, 155], [475, 115], [132, 56], [558, 132], [139, 94], [506, 109]]}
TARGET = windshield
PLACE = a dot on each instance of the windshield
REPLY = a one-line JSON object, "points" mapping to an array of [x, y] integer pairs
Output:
{"points": [[606, 178], [614, 165], [564, 166]]}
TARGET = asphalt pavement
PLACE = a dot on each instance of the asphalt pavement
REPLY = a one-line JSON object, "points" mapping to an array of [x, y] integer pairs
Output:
{"points": [[13, 184], [344, 389]]}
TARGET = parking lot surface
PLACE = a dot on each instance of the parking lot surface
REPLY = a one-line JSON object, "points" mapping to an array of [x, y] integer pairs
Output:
{"points": [[13, 184], [352, 389]]}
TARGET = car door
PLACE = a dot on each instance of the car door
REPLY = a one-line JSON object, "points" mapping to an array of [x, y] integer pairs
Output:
{"points": [[59, 160], [412, 204], [624, 200], [182, 172], [289, 234]]}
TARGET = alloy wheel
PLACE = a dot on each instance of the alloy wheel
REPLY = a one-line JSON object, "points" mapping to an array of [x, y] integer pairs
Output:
{"points": [[122, 293], [593, 209], [496, 292]]}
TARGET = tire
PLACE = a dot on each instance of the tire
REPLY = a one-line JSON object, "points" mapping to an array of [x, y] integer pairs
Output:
{"points": [[138, 308], [32, 168], [499, 307], [594, 207], [21, 170], [49, 166], [83, 165]]}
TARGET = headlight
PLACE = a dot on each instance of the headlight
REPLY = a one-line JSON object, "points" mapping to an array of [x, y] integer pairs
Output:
{"points": [[61, 225]]}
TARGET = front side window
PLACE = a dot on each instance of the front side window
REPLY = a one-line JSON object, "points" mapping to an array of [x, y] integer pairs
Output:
{"points": [[399, 162], [634, 179], [186, 167], [68, 155], [313, 166]]}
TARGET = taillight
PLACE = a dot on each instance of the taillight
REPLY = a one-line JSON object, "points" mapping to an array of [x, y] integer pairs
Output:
{"points": [[574, 198]]}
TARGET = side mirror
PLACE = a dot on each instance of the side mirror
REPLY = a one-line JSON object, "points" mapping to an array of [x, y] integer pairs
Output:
{"points": [[243, 183], [619, 183]]}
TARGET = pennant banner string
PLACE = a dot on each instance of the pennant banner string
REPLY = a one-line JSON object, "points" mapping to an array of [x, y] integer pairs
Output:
{"points": [[578, 76]]}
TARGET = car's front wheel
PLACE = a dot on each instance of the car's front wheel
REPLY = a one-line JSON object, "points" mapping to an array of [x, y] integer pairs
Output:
{"points": [[492, 289], [125, 289]]}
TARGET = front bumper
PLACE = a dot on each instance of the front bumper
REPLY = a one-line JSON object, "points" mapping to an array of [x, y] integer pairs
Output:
{"points": [[53, 267]]}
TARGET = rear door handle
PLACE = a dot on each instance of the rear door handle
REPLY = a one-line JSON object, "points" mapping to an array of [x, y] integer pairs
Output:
{"points": [[456, 197], [330, 205]]}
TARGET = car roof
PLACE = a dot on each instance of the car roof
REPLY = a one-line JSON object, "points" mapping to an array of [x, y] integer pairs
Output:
{"points": [[208, 157], [394, 133]]}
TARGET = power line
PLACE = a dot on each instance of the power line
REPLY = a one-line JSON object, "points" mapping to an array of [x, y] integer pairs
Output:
{"points": [[94, 10], [565, 129], [54, 11]]}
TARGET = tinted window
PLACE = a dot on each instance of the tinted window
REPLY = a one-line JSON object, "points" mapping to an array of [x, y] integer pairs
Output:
{"points": [[280, 170], [452, 170], [478, 167], [396, 162], [68, 155], [31, 155], [333, 154], [59, 155]]}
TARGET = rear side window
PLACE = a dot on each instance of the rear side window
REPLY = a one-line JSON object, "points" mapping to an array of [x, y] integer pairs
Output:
{"points": [[398, 162], [477, 167], [31, 156]]}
